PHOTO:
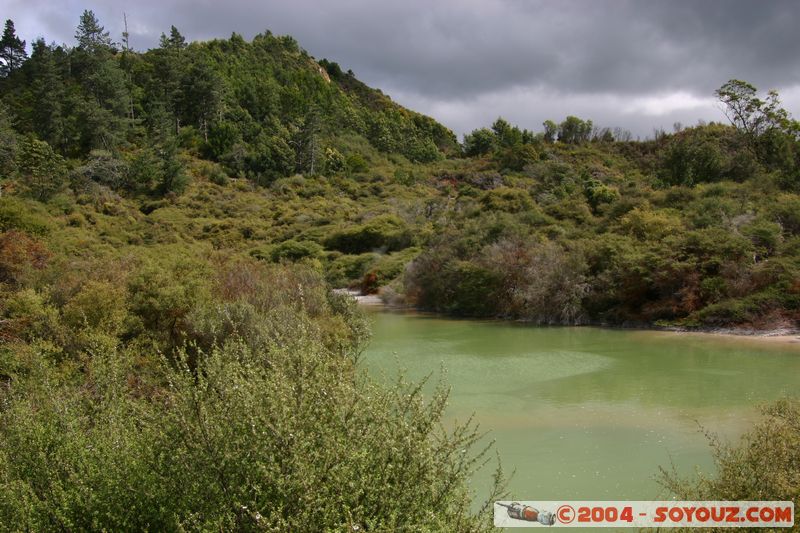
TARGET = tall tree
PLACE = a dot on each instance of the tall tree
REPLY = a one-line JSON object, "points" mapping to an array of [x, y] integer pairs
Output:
{"points": [[175, 41], [91, 36], [479, 142], [750, 114], [105, 110], [506, 134], [105, 103], [307, 141], [574, 130], [200, 98], [8, 144], [550, 131], [47, 96], [170, 65], [12, 50]]}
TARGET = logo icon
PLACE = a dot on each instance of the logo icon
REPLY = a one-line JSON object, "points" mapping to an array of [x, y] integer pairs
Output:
{"points": [[526, 513]]}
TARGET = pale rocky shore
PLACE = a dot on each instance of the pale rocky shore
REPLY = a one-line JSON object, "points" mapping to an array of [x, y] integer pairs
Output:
{"points": [[778, 336], [781, 335], [363, 299]]}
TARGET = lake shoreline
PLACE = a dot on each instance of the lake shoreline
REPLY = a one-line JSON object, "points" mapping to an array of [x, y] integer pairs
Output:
{"points": [[775, 336], [780, 334]]}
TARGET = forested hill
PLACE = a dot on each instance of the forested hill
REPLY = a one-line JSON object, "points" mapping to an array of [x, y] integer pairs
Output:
{"points": [[264, 108], [254, 150]]}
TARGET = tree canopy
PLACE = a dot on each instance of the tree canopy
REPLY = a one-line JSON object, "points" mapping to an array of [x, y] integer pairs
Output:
{"points": [[12, 50]]}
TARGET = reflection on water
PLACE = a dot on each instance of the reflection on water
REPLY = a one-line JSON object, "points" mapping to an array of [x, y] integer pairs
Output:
{"points": [[588, 413]]}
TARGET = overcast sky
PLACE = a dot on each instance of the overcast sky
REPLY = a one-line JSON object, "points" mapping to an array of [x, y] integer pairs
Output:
{"points": [[639, 65]]}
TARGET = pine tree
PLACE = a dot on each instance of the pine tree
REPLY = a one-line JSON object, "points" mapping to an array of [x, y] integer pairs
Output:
{"points": [[175, 41], [200, 99], [8, 144], [307, 141], [91, 36], [12, 50], [47, 96]]}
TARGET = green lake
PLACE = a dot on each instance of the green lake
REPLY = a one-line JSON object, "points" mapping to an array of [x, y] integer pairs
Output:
{"points": [[588, 413]]}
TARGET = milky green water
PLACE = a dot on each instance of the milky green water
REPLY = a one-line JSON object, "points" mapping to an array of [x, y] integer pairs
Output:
{"points": [[588, 413]]}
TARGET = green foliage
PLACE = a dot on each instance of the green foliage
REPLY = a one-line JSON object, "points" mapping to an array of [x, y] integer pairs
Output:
{"points": [[356, 164], [163, 295], [292, 250], [550, 131], [175, 41], [598, 194], [173, 179], [8, 145], [763, 465], [505, 134], [249, 426], [17, 215], [133, 321], [43, 171], [386, 232], [510, 146], [12, 50], [452, 286], [479, 142], [261, 108], [221, 139], [749, 113], [242, 443], [516, 157], [334, 162], [507, 199], [765, 235], [688, 218], [91, 36], [574, 130]]}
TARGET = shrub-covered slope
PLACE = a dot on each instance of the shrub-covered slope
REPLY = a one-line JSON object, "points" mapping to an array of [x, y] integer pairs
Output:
{"points": [[254, 148]]}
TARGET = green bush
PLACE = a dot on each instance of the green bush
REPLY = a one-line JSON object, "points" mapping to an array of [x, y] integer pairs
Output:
{"points": [[288, 437], [506, 199], [19, 215], [385, 232], [348, 270], [99, 305], [764, 465], [42, 170], [292, 250]]}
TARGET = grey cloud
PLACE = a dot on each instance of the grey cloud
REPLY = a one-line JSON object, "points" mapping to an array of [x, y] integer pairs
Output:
{"points": [[459, 51]]}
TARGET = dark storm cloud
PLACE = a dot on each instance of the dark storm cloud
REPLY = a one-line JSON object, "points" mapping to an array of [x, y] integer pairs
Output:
{"points": [[467, 53]]}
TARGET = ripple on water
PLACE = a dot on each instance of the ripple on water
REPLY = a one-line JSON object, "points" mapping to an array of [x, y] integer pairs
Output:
{"points": [[519, 372]]}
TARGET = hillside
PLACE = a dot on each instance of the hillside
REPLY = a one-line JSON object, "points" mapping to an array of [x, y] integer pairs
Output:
{"points": [[172, 222], [256, 149]]}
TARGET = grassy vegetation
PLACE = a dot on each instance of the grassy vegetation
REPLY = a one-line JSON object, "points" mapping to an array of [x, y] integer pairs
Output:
{"points": [[764, 465], [171, 223]]}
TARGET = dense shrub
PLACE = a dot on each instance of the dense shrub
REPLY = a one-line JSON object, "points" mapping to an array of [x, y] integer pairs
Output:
{"points": [[295, 250], [542, 282], [386, 232], [764, 465], [19, 254], [17, 215], [270, 430]]}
